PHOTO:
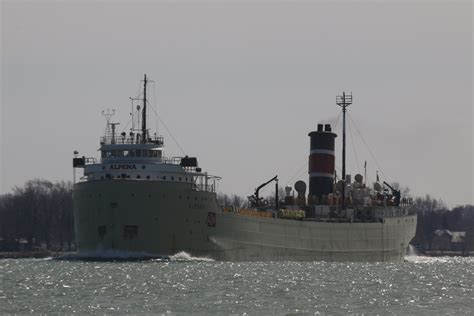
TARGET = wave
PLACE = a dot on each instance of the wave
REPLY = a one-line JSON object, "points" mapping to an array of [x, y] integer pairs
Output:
{"points": [[114, 255], [184, 256]]}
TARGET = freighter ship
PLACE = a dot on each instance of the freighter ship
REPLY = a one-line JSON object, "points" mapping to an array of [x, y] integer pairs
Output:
{"points": [[136, 202]]}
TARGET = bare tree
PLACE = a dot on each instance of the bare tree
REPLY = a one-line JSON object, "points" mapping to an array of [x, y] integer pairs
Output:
{"points": [[40, 212]]}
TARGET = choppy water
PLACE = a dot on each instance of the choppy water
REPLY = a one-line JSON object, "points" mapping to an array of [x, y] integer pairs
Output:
{"points": [[188, 286]]}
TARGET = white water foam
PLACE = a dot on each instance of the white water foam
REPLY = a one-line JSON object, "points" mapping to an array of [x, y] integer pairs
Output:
{"points": [[411, 251], [413, 256], [111, 255], [184, 256]]}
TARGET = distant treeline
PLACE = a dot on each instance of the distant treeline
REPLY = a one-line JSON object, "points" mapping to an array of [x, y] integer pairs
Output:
{"points": [[39, 215], [434, 215]]}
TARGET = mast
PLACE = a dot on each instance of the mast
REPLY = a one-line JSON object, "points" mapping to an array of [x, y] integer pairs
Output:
{"points": [[144, 131], [344, 101]]}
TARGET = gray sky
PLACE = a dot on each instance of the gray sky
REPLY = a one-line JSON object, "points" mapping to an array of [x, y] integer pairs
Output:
{"points": [[240, 85]]}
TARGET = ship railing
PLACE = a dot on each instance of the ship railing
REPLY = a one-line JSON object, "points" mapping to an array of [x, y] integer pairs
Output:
{"points": [[130, 140], [205, 182], [389, 201], [381, 212], [202, 187], [144, 159]]}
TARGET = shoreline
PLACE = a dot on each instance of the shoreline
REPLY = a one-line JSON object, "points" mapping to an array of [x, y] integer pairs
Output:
{"points": [[30, 254]]}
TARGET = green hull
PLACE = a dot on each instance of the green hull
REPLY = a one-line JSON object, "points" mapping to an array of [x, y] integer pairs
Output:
{"points": [[151, 218]]}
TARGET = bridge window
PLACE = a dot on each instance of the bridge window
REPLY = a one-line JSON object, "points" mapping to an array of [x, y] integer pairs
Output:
{"points": [[145, 153], [138, 153], [117, 153], [106, 154]]}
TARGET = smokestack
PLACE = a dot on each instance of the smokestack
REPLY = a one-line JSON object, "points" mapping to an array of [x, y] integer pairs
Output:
{"points": [[321, 161]]}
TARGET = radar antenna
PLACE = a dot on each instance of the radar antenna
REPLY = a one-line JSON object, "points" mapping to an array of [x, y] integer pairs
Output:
{"points": [[109, 127], [344, 101]]}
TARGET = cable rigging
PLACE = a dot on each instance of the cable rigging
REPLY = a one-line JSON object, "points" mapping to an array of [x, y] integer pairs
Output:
{"points": [[367, 146]]}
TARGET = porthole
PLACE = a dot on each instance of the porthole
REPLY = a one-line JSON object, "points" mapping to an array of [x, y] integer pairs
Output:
{"points": [[172, 178], [148, 177], [179, 178], [164, 178], [138, 176]]}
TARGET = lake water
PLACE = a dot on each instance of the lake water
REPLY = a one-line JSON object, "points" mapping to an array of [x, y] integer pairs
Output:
{"points": [[188, 285]]}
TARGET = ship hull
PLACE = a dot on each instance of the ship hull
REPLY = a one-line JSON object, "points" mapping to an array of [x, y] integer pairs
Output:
{"points": [[160, 219]]}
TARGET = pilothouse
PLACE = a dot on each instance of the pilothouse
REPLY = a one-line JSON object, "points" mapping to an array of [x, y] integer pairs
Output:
{"points": [[137, 155]]}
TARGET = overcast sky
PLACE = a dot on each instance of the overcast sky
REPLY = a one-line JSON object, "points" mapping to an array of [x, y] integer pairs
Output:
{"points": [[240, 85]]}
